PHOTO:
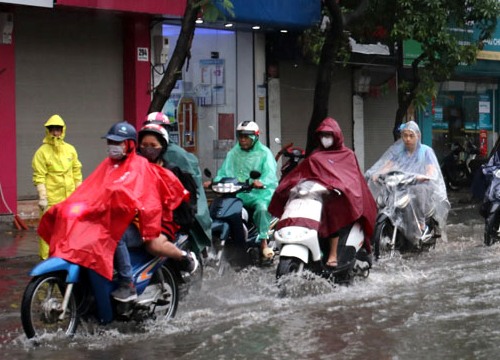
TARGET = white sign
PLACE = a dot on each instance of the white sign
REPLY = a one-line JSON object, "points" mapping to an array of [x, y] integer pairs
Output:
{"points": [[142, 54], [484, 107], [39, 3]]}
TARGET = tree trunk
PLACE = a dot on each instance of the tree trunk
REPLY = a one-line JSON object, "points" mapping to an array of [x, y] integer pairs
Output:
{"points": [[405, 99], [181, 52], [325, 71]]}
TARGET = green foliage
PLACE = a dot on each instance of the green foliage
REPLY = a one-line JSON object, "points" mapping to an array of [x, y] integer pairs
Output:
{"points": [[443, 28], [214, 10], [440, 26]]}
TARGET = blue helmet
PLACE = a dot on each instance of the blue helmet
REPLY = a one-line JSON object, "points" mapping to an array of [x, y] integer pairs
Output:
{"points": [[121, 131]]}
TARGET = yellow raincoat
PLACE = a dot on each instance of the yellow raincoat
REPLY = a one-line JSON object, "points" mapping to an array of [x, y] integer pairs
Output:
{"points": [[56, 165]]}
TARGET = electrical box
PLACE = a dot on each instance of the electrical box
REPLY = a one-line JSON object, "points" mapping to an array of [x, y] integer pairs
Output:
{"points": [[6, 27], [161, 49]]}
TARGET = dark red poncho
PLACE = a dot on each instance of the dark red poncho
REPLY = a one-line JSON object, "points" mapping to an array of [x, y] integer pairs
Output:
{"points": [[335, 168]]}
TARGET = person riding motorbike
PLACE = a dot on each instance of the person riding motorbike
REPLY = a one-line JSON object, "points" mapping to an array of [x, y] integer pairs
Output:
{"points": [[176, 156], [429, 198], [153, 142], [246, 156], [335, 166], [125, 188]]}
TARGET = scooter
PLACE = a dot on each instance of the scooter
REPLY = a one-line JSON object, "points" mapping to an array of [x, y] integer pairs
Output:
{"points": [[299, 243], [490, 209], [61, 294], [457, 166], [234, 236], [395, 210]]}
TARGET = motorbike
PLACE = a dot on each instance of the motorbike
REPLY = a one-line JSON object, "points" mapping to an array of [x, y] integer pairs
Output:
{"points": [[299, 245], [293, 155], [61, 294], [234, 236], [490, 208], [396, 215], [458, 166]]}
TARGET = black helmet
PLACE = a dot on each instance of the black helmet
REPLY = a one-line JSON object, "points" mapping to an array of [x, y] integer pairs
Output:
{"points": [[120, 132]]}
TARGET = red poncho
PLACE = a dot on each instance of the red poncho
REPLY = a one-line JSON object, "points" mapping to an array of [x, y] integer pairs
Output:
{"points": [[335, 168], [86, 227]]}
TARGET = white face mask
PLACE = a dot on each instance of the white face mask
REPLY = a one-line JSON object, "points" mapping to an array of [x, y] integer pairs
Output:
{"points": [[326, 141]]}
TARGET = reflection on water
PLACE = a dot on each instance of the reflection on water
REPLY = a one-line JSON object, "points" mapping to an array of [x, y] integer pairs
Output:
{"points": [[441, 304]]}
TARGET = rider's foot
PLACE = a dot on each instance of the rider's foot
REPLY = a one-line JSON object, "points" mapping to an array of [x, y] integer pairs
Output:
{"points": [[331, 264], [267, 253], [189, 262], [125, 292]]}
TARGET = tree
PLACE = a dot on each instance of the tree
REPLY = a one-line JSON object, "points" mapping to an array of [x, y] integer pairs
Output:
{"points": [[427, 21], [211, 11]]}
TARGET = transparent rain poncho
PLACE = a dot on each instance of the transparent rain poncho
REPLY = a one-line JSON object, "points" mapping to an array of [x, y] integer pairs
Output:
{"points": [[428, 197]]}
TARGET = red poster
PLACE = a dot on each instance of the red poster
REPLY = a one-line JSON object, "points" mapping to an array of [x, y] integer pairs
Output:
{"points": [[226, 127], [483, 142]]}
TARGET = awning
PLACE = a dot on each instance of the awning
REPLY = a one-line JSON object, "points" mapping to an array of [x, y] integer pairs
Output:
{"points": [[279, 13]]}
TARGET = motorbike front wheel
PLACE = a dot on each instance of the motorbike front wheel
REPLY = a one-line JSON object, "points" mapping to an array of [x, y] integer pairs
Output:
{"points": [[288, 265], [381, 240], [491, 229], [41, 307]]}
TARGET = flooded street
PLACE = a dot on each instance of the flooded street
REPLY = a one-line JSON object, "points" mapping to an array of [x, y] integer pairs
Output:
{"points": [[440, 305]]}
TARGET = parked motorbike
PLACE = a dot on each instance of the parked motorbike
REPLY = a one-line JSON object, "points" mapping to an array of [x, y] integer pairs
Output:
{"points": [[299, 245], [458, 166], [61, 294], [293, 155], [490, 209], [234, 236], [396, 218]]}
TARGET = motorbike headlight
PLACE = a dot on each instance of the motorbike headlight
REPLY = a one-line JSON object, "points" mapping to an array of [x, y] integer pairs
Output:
{"points": [[225, 188], [403, 201]]}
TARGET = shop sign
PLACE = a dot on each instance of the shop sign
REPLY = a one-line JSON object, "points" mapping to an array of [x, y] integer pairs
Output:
{"points": [[39, 3]]}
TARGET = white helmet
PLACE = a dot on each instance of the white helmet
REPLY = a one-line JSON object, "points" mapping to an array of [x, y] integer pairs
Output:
{"points": [[248, 128], [158, 130]]}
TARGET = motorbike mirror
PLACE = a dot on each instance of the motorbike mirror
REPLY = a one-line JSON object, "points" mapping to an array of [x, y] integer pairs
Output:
{"points": [[277, 141], [207, 173], [254, 174]]}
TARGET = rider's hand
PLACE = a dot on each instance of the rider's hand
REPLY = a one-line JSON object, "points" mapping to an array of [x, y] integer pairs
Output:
{"points": [[258, 184], [207, 184], [422, 178]]}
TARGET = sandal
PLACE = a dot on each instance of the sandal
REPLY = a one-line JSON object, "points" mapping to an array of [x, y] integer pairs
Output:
{"points": [[267, 253]]}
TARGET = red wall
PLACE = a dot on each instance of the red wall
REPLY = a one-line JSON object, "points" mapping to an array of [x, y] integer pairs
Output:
{"points": [[165, 7], [8, 167], [136, 74]]}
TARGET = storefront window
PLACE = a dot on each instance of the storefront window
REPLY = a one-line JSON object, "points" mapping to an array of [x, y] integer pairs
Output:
{"points": [[462, 114]]}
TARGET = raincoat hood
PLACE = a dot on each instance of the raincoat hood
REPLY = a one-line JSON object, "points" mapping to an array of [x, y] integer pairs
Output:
{"points": [[54, 120], [330, 125]]}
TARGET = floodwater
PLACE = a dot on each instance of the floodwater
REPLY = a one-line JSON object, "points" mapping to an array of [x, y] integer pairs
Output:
{"points": [[438, 305]]}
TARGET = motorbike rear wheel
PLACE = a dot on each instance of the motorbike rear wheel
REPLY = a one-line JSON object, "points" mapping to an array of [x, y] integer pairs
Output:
{"points": [[166, 305], [288, 265], [42, 305]]}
